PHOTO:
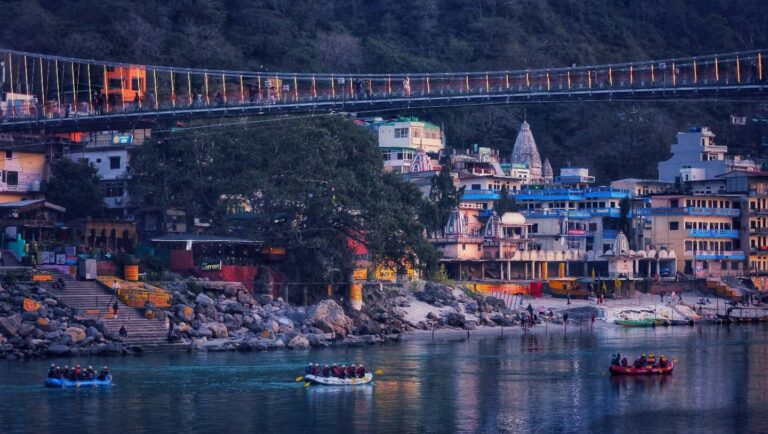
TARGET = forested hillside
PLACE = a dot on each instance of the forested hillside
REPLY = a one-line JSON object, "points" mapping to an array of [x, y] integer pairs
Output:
{"points": [[622, 139]]}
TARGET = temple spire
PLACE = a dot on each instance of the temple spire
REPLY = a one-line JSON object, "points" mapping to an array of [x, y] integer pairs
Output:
{"points": [[546, 171], [526, 152]]}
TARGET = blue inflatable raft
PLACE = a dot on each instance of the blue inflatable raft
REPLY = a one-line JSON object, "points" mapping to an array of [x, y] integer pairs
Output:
{"points": [[58, 383]]}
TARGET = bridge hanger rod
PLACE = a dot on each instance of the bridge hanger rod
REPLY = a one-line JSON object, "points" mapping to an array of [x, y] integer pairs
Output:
{"points": [[384, 76]]}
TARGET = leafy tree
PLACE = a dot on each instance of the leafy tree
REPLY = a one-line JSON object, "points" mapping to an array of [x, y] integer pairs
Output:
{"points": [[76, 186], [443, 198], [309, 186], [506, 203]]}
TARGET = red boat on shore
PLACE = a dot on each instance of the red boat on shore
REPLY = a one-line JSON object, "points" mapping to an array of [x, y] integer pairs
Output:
{"points": [[648, 370]]}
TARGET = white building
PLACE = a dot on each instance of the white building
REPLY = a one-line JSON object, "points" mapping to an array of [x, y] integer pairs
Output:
{"points": [[696, 156], [401, 139], [109, 153]]}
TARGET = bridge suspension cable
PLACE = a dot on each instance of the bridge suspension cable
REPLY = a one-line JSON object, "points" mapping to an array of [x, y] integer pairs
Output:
{"points": [[127, 88]]}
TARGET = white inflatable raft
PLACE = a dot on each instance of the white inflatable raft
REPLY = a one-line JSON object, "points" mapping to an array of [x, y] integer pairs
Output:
{"points": [[333, 381]]}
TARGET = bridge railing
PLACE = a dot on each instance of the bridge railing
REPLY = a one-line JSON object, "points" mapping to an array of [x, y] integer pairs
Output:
{"points": [[42, 86]]}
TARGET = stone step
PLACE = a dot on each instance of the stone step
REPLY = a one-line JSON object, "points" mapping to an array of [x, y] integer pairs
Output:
{"points": [[92, 296]]}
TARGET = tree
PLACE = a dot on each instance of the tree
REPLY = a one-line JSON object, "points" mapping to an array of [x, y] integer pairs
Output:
{"points": [[443, 198], [306, 185], [76, 186], [506, 203]]}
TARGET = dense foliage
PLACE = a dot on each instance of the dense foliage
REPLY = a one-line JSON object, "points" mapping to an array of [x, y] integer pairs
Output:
{"points": [[310, 186], [76, 186], [624, 139]]}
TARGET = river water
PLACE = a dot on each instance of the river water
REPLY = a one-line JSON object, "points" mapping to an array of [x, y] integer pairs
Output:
{"points": [[545, 381]]}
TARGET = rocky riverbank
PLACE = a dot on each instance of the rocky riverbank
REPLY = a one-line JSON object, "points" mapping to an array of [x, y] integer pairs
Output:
{"points": [[216, 316], [34, 323]]}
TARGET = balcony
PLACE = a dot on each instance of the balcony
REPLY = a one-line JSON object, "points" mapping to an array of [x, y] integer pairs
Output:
{"points": [[481, 194], [610, 234], [758, 231], [718, 212], [556, 213], [606, 192], [713, 233], [733, 255], [718, 149], [606, 212], [761, 250], [550, 194]]}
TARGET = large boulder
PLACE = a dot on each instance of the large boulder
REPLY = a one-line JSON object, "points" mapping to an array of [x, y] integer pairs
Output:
{"points": [[329, 317], [75, 333], [26, 328], [285, 324], [218, 330], [231, 306], [204, 300], [201, 332], [454, 319], [299, 342], [185, 313], [9, 326]]}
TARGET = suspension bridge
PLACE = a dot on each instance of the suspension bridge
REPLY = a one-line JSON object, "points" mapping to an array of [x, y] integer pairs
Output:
{"points": [[44, 92]]}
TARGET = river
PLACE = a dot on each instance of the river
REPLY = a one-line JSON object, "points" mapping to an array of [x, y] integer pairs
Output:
{"points": [[545, 381]]}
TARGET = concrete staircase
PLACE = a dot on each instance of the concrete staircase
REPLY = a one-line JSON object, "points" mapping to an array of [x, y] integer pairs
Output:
{"points": [[93, 301]]}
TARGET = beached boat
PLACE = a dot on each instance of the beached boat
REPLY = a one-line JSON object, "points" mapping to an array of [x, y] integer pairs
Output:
{"points": [[567, 287], [636, 322], [648, 370], [333, 381], [59, 382]]}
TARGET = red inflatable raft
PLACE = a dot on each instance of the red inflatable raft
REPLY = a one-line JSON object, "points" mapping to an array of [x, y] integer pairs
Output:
{"points": [[649, 370]]}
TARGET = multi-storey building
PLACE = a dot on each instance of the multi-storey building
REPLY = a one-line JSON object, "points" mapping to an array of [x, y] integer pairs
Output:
{"points": [[109, 152], [401, 139], [704, 227], [696, 156], [22, 172]]}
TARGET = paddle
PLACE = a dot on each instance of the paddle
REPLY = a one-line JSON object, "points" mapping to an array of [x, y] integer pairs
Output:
{"points": [[299, 378], [307, 384], [378, 372]]}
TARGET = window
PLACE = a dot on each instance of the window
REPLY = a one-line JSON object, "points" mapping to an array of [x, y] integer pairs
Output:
{"points": [[534, 228], [592, 227], [401, 133], [8, 155], [113, 189], [463, 247], [115, 83], [11, 177], [673, 226], [114, 162], [476, 187], [688, 225]]}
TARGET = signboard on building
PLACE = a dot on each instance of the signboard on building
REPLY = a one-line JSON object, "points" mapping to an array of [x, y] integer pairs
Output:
{"points": [[504, 288], [210, 266], [360, 274], [122, 139], [388, 272]]}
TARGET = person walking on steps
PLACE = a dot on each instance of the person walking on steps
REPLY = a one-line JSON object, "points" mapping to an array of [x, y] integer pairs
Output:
{"points": [[115, 307], [123, 332]]}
